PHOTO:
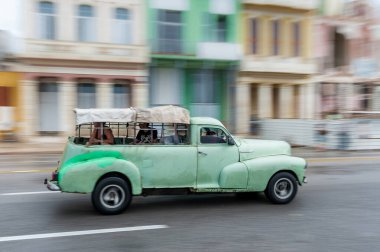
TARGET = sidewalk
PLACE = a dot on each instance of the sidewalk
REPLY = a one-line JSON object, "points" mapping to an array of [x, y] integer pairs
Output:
{"points": [[310, 152], [12, 148]]}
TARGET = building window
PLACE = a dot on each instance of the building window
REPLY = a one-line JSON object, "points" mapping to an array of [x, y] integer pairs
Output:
{"points": [[207, 27], [86, 95], [205, 99], [340, 49], [275, 37], [5, 96], [275, 102], [6, 109], [121, 94], [221, 29], [254, 33], [86, 23], [204, 87], [366, 97], [296, 39], [46, 19], [166, 86], [169, 31], [122, 28], [215, 27]]}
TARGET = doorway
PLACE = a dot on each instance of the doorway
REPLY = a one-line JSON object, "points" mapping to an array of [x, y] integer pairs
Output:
{"points": [[48, 107]]}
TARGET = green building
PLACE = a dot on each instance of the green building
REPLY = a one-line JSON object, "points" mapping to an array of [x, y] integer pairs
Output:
{"points": [[194, 55]]}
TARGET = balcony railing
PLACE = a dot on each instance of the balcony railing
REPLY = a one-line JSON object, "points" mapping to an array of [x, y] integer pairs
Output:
{"points": [[219, 51], [172, 47], [69, 50], [279, 65], [200, 50], [168, 46], [297, 4]]}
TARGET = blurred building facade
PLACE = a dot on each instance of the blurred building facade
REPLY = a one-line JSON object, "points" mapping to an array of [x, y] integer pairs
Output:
{"points": [[9, 102], [83, 54], [283, 70], [347, 35], [195, 52], [348, 55], [275, 85]]}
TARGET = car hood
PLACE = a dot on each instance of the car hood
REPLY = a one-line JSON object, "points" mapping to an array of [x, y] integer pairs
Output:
{"points": [[252, 148]]}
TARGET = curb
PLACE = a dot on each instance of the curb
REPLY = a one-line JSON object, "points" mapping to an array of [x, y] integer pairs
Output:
{"points": [[341, 159], [30, 152]]}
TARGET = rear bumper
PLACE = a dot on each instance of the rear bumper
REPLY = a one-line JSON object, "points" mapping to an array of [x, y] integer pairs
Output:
{"points": [[52, 185]]}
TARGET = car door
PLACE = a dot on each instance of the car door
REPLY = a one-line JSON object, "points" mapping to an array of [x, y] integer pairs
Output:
{"points": [[168, 162], [214, 154], [167, 166]]}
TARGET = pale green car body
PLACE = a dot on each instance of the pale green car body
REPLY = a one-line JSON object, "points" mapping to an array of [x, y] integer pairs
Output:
{"points": [[245, 165]]}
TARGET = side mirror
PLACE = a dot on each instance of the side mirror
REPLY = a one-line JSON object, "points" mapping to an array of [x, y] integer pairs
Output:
{"points": [[230, 140]]}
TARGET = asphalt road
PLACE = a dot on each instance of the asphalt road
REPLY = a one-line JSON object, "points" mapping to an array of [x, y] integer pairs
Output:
{"points": [[338, 210]]}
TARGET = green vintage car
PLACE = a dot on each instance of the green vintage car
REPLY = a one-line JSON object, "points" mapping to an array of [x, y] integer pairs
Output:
{"points": [[179, 155]]}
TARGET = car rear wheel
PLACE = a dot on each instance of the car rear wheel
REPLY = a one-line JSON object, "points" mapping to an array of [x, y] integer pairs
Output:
{"points": [[112, 195], [282, 188]]}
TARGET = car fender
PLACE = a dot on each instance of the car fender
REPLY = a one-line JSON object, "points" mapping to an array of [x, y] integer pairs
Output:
{"points": [[260, 170], [81, 177], [234, 176]]}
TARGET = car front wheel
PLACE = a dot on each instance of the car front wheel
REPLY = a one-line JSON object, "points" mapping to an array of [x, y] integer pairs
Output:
{"points": [[282, 188], [112, 195]]}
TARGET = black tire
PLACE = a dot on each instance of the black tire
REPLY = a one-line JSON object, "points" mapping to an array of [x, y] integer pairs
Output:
{"points": [[282, 188], [112, 195]]}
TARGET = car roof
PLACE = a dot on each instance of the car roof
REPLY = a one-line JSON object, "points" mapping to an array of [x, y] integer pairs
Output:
{"points": [[206, 120]]}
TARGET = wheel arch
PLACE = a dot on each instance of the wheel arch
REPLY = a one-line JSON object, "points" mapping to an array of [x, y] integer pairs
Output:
{"points": [[115, 174], [128, 173], [284, 170], [261, 170]]}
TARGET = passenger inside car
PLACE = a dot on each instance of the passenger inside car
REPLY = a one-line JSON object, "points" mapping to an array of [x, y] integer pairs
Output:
{"points": [[146, 134], [101, 135]]}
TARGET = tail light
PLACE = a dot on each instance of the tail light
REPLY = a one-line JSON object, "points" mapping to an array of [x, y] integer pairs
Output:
{"points": [[54, 176]]}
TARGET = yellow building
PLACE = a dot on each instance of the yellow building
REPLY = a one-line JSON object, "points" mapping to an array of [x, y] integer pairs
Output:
{"points": [[275, 79], [9, 104]]}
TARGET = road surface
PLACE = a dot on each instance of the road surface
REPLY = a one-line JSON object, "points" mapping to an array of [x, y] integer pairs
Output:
{"points": [[338, 210]]}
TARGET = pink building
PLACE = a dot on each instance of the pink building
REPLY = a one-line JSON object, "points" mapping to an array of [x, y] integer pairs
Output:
{"points": [[347, 36]]}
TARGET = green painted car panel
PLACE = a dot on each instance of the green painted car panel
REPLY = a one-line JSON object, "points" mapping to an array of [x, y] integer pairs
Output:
{"points": [[234, 176], [212, 159], [82, 177], [253, 148], [205, 121], [166, 166], [246, 165], [260, 170]]}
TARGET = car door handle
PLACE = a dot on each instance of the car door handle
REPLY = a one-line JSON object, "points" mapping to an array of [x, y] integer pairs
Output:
{"points": [[202, 153]]}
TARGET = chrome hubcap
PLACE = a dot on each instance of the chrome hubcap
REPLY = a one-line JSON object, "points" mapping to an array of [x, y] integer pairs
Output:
{"points": [[112, 196], [283, 188]]}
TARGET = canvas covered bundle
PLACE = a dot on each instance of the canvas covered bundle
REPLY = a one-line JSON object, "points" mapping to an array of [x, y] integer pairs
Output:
{"points": [[161, 114]]}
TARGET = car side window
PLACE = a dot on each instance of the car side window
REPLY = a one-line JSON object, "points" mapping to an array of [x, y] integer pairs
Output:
{"points": [[210, 135]]}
